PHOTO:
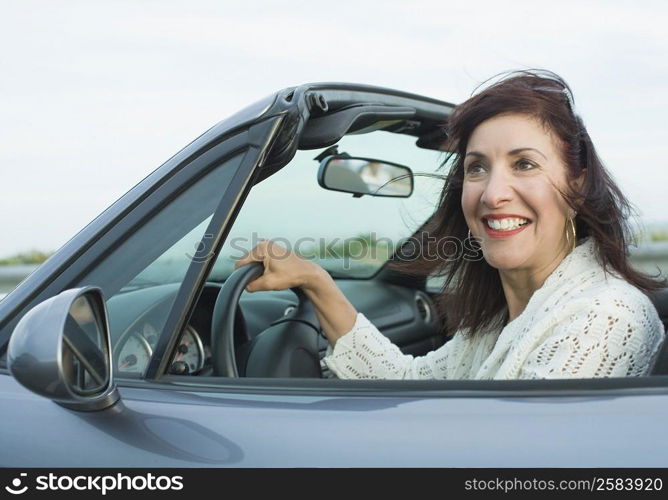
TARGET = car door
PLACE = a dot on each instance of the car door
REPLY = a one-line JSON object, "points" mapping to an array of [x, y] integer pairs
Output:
{"points": [[248, 423], [175, 420]]}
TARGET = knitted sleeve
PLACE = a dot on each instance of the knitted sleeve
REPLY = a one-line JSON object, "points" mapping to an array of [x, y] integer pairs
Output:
{"points": [[365, 353], [615, 336]]}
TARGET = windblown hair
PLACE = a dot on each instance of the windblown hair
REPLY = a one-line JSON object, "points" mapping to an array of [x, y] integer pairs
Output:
{"points": [[472, 296]]}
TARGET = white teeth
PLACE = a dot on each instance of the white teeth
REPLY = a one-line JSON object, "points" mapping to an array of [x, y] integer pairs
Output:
{"points": [[506, 224]]}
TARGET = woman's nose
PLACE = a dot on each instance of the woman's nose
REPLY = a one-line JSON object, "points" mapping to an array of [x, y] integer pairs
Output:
{"points": [[498, 188]]}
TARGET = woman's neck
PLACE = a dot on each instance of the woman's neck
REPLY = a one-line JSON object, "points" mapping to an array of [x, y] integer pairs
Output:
{"points": [[519, 285]]}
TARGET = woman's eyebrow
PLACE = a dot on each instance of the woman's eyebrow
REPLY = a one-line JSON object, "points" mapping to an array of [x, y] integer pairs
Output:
{"points": [[519, 150], [512, 152]]}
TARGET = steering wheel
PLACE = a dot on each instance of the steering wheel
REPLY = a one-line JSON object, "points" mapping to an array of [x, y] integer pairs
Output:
{"points": [[289, 347]]}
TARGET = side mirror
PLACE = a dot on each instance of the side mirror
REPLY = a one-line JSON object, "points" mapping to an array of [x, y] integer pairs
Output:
{"points": [[61, 350], [362, 176]]}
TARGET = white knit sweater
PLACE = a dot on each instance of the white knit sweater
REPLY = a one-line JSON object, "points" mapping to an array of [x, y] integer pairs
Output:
{"points": [[581, 323]]}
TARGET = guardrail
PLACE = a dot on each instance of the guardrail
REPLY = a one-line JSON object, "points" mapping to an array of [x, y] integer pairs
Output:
{"points": [[651, 257], [10, 276]]}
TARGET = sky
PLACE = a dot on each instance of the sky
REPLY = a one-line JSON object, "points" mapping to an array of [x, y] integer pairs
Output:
{"points": [[94, 95]]}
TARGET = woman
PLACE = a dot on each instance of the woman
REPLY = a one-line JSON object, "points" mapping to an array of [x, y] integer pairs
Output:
{"points": [[548, 293]]}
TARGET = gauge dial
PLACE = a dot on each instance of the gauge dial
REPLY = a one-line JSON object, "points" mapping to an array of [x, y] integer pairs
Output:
{"points": [[190, 350], [134, 354]]}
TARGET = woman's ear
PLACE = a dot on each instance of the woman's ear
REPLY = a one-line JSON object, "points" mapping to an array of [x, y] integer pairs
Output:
{"points": [[577, 185], [578, 182]]}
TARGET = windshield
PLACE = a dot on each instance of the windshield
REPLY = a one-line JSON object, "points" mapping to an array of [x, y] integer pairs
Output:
{"points": [[348, 236]]}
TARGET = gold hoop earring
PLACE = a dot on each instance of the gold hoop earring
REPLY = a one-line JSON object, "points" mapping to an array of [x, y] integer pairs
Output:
{"points": [[574, 237]]}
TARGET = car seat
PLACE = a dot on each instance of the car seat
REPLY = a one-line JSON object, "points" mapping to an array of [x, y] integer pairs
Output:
{"points": [[660, 362]]}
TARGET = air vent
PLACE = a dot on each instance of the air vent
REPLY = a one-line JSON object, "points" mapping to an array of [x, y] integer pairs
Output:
{"points": [[423, 306]]}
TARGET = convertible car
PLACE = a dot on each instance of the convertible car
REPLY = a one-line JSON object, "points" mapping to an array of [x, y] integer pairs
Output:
{"points": [[136, 344]]}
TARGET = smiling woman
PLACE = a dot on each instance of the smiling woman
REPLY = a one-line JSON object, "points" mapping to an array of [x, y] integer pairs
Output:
{"points": [[510, 202], [548, 291]]}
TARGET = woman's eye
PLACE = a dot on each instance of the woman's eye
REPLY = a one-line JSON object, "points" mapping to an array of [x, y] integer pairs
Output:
{"points": [[474, 168], [525, 165]]}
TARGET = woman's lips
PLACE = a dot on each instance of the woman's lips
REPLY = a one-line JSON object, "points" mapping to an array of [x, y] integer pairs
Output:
{"points": [[494, 233]]}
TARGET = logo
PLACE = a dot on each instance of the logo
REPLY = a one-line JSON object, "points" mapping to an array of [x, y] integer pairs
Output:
{"points": [[16, 483], [103, 484]]}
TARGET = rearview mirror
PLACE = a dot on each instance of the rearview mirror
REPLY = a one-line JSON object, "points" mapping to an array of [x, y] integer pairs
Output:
{"points": [[361, 176], [60, 350]]}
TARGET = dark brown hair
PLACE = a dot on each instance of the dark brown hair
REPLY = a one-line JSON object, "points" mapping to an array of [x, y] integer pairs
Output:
{"points": [[472, 296]]}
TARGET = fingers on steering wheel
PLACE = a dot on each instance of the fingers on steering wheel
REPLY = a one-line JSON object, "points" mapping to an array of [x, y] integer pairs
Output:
{"points": [[256, 254], [258, 284]]}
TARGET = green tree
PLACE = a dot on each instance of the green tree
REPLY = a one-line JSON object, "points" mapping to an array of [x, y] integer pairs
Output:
{"points": [[30, 257]]}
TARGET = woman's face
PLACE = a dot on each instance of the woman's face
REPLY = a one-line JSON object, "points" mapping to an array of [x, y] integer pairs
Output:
{"points": [[510, 167]]}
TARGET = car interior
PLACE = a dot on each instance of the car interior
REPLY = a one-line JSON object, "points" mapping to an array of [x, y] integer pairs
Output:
{"points": [[401, 307], [406, 315]]}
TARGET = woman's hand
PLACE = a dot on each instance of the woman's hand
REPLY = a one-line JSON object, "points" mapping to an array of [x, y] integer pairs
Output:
{"points": [[285, 269], [282, 268]]}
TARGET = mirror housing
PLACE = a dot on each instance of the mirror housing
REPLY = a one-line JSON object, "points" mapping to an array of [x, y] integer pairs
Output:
{"points": [[361, 176], [61, 350]]}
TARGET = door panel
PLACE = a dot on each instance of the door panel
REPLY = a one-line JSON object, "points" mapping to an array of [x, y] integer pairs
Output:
{"points": [[159, 428]]}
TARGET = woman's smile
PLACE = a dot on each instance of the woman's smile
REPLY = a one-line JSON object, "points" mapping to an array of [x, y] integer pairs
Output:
{"points": [[504, 225]]}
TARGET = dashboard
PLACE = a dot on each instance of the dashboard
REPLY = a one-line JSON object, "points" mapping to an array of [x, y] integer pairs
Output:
{"points": [[137, 318]]}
